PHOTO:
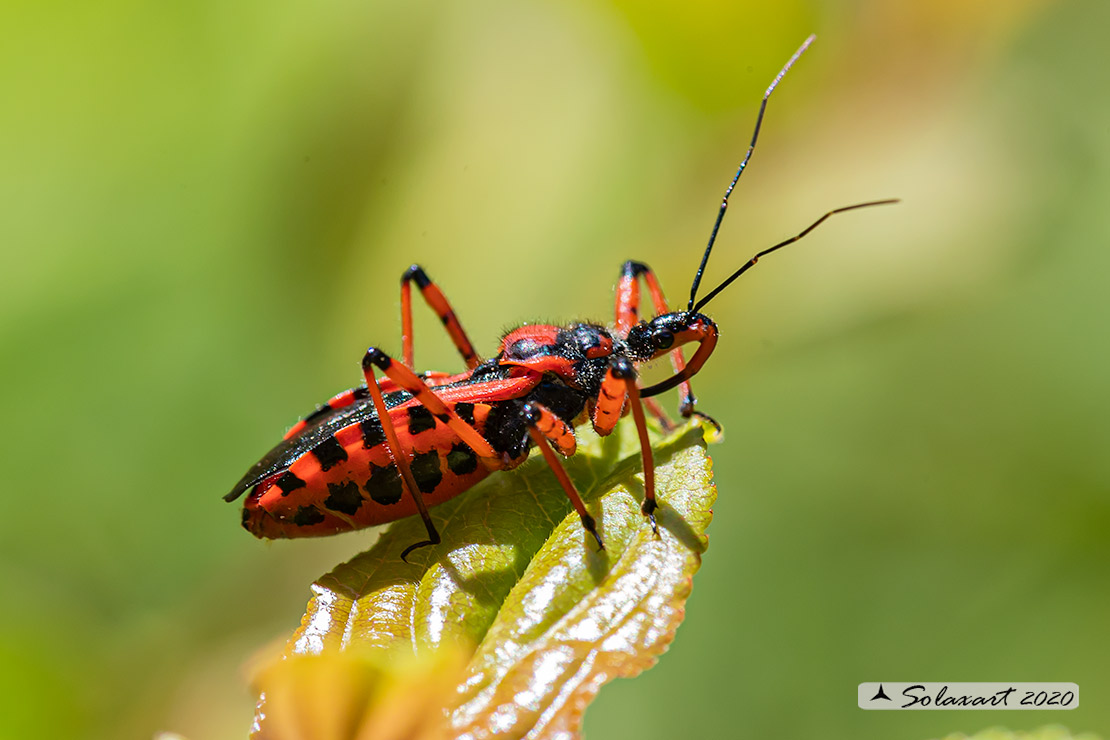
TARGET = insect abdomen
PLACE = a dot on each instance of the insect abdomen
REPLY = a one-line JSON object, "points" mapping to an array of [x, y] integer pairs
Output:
{"points": [[350, 481]]}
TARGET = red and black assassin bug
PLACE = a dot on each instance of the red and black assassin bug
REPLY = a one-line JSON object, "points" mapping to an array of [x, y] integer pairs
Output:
{"points": [[397, 446]]}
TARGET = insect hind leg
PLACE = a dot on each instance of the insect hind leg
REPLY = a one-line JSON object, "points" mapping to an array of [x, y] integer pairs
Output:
{"points": [[376, 357], [628, 315], [435, 299]]}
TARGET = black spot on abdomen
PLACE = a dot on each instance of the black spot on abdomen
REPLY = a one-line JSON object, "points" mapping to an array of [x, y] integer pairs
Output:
{"points": [[426, 472], [465, 411], [330, 453], [462, 460], [344, 498], [385, 486], [420, 420], [288, 483], [372, 433], [306, 516]]}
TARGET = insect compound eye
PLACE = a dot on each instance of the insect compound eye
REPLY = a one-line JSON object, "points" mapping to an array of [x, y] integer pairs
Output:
{"points": [[663, 338]]}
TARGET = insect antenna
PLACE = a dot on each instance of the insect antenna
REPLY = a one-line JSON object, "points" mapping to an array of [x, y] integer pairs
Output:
{"points": [[740, 170], [747, 265]]}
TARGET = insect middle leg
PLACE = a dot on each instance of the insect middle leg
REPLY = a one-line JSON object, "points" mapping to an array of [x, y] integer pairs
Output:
{"points": [[628, 315], [435, 299], [545, 427]]}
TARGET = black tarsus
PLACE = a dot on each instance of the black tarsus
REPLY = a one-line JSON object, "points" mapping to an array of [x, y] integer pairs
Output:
{"points": [[632, 268], [423, 543], [417, 275], [375, 356], [740, 170]]}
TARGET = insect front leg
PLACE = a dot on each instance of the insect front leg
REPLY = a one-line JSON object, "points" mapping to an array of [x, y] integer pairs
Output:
{"points": [[435, 299], [547, 429], [628, 315]]}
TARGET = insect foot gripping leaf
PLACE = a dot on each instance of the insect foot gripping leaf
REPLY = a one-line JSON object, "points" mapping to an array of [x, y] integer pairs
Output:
{"points": [[540, 616]]}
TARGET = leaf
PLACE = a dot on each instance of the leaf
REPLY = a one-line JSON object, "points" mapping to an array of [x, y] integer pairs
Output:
{"points": [[358, 695], [544, 618]]}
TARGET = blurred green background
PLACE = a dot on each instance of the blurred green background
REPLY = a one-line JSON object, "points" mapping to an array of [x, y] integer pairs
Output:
{"points": [[205, 208]]}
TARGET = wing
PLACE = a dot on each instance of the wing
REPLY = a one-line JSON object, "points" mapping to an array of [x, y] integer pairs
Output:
{"points": [[320, 426], [487, 382]]}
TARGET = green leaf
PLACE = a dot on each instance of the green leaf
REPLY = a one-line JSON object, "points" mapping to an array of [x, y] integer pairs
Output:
{"points": [[543, 617]]}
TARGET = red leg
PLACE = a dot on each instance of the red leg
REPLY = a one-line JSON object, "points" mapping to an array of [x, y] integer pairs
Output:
{"points": [[438, 303], [535, 414], [660, 415], [628, 315], [407, 380], [622, 370], [555, 430], [398, 453], [347, 397], [609, 404]]}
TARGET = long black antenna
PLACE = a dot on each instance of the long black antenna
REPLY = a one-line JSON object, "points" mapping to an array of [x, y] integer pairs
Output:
{"points": [[740, 170], [750, 263]]}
